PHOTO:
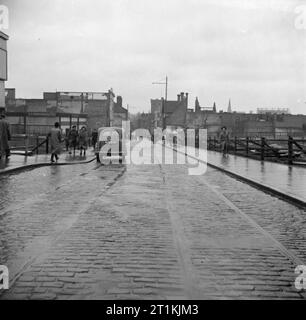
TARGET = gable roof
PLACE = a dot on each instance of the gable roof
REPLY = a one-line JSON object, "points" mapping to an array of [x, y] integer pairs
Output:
{"points": [[119, 109]]}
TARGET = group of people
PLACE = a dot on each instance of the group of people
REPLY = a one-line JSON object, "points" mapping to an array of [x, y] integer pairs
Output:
{"points": [[77, 139], [74, 139], [5, 137]]}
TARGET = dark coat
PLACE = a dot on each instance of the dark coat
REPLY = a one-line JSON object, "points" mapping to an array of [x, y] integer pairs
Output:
{"points": [[5, 136]]}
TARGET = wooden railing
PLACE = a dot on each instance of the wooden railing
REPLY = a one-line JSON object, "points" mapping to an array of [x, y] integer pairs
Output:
{"points": [[27, 145], [288, 150]]}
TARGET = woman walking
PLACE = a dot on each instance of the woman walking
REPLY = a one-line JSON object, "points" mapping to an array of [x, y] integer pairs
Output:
{"points": [[73, 139]]}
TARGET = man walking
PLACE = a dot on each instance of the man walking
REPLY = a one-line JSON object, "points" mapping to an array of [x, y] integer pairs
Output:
{"points": [[5, 137], [224, 140], [56, 139]]}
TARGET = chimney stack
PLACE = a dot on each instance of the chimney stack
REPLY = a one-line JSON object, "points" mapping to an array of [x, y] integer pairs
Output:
{"points": [[187, 98], [178, 97], [119, 101], [182, 96]]}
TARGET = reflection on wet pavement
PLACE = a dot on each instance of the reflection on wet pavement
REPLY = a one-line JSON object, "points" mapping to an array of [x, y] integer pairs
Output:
{"points": [[290, 180]]}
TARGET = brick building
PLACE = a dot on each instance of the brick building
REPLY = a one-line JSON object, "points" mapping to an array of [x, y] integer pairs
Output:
{"points": [[93, 109], [177, 114], [170, 113], [119, 113], [3, 68]]}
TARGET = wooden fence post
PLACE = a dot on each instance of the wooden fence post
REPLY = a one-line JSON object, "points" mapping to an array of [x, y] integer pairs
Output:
{"points": [[37, 143], [26, 140], [24, 124], [47, 144], [262, 150], [247, 146], [235, 145], [290, 150]]}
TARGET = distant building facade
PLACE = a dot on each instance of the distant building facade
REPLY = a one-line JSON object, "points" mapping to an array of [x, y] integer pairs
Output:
{"points": [[269, 123], [170, 113], [142, 121], [92, 109], [157, 112], [3, 69], [273, 111], [119, 113]]}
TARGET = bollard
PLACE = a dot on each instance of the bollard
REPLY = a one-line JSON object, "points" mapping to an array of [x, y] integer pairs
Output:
{"points": [[262, 149], [290, 150]]}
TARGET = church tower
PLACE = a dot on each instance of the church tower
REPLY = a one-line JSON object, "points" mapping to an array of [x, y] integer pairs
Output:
{"points": [[214, 108], [229, 109], [197, 105]]}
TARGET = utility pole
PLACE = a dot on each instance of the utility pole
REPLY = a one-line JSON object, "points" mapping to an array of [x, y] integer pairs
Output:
{"points": [[166, 84], [82, 102], [164, 101], [166, 93]]}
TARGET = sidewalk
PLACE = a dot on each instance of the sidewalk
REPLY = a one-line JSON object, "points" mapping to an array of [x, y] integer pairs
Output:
{"points": [[289, 180], [19, 162]]}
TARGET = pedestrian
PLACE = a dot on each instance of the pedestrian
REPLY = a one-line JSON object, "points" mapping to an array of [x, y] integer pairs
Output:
{"points": [[56, 139], [224, 140], [73, 139], [5, 137], [94, 138], [83, 140]]}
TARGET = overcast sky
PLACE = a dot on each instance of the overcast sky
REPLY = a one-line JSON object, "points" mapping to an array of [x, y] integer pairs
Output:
{"points": [[249, 51]]}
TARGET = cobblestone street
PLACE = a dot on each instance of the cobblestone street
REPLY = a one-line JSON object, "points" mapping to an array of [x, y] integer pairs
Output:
{"points": [[146, 232], [152, 150]]}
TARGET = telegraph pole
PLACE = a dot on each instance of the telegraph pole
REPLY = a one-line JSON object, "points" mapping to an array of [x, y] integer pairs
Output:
{"points": [[166, 94], [164, 101], [166, 89]]}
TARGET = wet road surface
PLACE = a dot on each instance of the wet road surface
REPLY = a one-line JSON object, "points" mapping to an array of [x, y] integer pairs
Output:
{"points": [[146, 232]]}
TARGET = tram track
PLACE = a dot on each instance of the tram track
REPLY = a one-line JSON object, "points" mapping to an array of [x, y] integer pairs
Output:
{"points": [[276, 243], [294, 200]]}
